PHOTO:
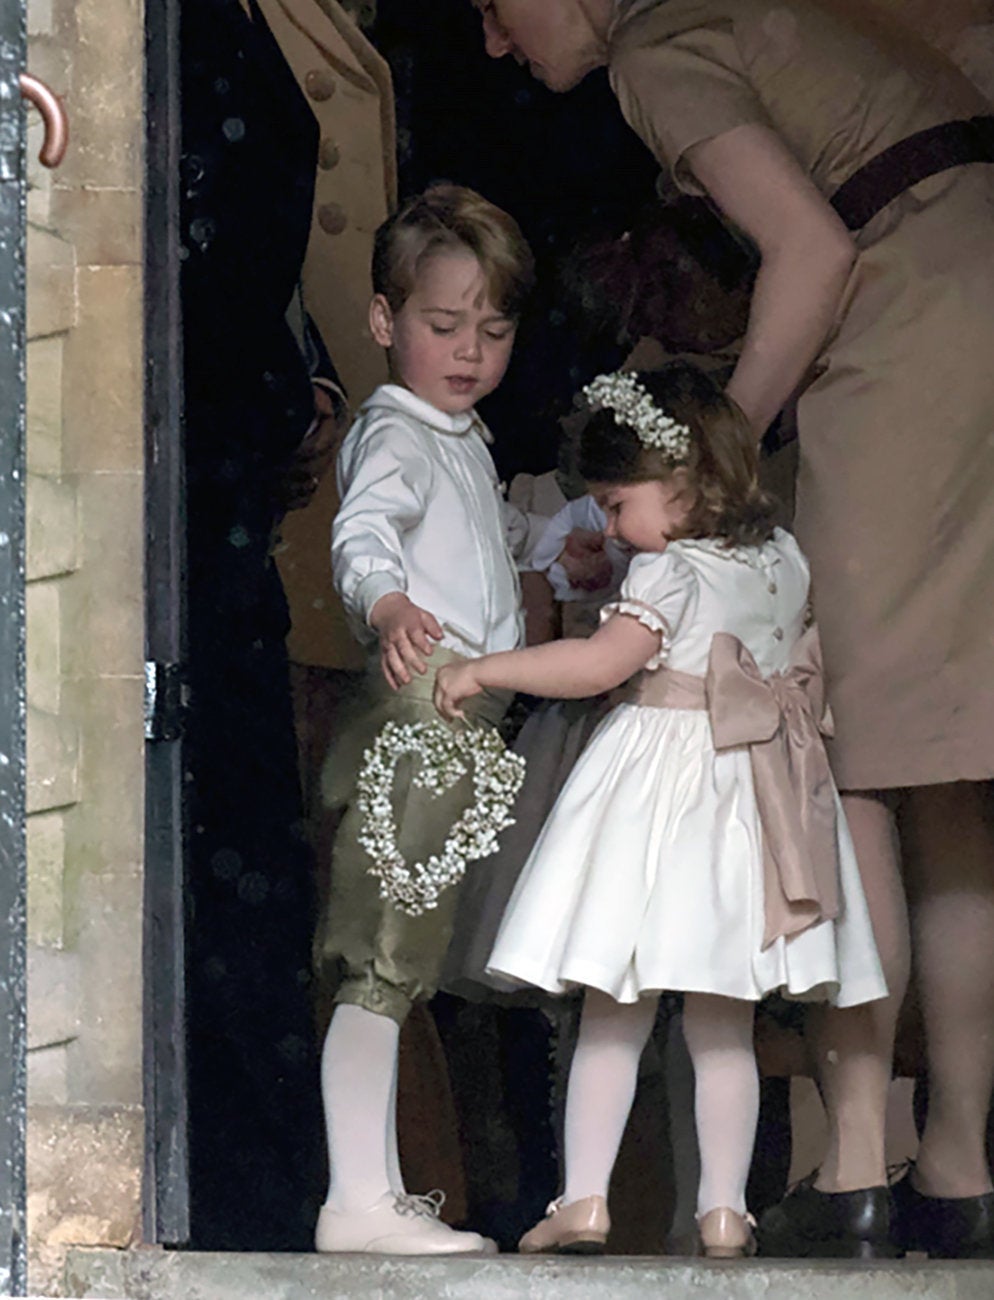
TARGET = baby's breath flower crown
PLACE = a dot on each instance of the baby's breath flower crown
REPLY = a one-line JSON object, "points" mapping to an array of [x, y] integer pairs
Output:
{"points": [[444, 755], [633, 405]]}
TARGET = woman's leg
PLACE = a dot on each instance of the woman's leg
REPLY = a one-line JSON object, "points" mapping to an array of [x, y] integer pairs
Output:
{"points": [[726, 1096], [854, 1046], [948, 844], [601, 1089]]}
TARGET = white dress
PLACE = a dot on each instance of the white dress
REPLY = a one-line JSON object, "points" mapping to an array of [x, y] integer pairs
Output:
{"points": [[648, 874]]}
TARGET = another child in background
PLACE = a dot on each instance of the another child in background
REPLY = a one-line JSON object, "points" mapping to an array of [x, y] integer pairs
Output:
{"points": [[676, 857], [422, 560]]}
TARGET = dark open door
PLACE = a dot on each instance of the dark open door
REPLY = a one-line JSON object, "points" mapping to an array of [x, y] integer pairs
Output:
{"points": [[166, 1186], [13, 874]]}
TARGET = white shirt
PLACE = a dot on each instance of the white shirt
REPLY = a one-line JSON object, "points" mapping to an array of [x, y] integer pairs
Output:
{"points": [[422, 513]]}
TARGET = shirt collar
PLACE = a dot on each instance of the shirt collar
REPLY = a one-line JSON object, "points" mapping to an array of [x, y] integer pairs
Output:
{"points": [[399, 398]]}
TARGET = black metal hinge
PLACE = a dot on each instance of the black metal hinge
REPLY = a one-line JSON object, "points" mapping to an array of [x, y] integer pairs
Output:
{"points": [[165, 700]]}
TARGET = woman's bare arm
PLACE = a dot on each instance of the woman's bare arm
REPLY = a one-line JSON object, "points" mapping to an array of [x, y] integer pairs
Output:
{"points": [[806, 251]]}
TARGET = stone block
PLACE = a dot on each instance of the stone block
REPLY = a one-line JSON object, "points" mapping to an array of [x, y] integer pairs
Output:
{"points": [[52, 527], [107, 596], [107, 42], [51, 267], [53, 997], [102, 392], [104, 833], [183, 1275], [43, 636], [103, 604], [104, 226], [84, 1185], [53, 761], [44, 405], [46, 836], [105, 1064], [48, 1075], [39, 18]]}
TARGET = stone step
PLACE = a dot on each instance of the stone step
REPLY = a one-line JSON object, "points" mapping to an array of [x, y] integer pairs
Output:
{"points": [[154, 1274]]}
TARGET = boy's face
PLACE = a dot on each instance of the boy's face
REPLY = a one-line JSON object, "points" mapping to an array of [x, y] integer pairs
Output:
{"points": [[448, 343]]}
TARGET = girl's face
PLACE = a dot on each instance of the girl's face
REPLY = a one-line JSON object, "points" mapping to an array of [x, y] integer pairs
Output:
{"points": [[647, 516], [448, 343], [555, 38]]}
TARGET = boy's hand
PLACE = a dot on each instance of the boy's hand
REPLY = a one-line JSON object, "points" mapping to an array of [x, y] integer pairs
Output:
{"points": [[453, 684], [406, 633]]}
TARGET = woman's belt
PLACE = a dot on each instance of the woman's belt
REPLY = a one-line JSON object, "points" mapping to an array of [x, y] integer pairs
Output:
{"points": [[913, 159]]}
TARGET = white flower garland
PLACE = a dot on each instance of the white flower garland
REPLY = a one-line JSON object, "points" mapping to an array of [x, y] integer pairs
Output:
{"points": [[497, 777], [633, 405]]}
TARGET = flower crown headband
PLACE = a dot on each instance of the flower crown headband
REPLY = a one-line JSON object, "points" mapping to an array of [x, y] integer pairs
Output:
{"points": [[633, 405]]}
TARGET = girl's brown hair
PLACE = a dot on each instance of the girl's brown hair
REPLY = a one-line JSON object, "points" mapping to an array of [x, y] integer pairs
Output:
{"points": [[448, 218], [722, 467]]}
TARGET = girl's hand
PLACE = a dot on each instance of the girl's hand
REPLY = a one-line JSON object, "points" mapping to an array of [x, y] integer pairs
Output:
{"points": [[406, 632], [453, 684]]}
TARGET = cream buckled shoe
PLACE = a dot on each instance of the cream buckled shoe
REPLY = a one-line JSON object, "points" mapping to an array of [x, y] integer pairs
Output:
{"points": [[396, 1224], [726, 1234], [579, 1228]]}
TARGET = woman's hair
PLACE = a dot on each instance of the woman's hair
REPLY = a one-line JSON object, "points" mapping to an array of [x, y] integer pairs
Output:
{"points": [[722, 467], [451, 218]]}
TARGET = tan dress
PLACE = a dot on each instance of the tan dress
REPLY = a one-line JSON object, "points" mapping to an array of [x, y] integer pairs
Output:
{"points": [[895, 495]]}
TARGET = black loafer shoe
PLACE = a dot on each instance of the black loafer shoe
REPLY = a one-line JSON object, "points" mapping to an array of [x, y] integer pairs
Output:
{"points": [[809, 1224], [960, 1227]]}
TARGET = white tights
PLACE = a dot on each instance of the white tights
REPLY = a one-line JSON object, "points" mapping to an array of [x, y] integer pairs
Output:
{"points": [[359, 1090], [602, 1085]]}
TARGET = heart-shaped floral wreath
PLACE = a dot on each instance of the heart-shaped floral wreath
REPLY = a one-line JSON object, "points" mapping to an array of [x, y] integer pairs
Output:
{"points": [[445, 757]]}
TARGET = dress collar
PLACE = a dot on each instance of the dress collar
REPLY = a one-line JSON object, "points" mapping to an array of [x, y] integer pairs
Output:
{"points": [[399, 398], [756, 557]]}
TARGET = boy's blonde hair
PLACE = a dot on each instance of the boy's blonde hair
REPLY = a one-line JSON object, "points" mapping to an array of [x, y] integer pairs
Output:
{"points": [[448, 218]]}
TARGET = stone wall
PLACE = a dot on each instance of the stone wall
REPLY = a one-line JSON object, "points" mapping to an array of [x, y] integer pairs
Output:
{"points": [[85, 638]]}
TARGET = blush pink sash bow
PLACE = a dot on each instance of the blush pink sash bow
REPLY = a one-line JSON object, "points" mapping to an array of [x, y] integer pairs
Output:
{"points": [[782, 719]]}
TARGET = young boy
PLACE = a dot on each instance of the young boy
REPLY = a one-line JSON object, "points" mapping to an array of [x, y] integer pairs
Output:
{"points": [[422, 562]]}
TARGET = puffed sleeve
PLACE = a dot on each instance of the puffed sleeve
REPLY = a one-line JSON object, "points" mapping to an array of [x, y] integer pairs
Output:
{"points": [[385, 483], [678, 89], [661, 592]]}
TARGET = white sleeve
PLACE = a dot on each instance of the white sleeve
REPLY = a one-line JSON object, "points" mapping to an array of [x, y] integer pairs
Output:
{"points": [[584, 512], [522, 528], [385, 481], [661, 592]]}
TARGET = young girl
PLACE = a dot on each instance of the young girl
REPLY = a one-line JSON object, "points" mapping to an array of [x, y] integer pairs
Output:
{"points": [[698, 845]]}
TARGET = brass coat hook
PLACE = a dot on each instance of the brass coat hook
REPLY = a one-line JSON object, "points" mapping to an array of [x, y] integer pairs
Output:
{"points": [[53, 113]]}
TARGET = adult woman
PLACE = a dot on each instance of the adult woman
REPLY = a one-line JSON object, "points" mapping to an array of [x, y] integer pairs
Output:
{"points": [[853, 160]]}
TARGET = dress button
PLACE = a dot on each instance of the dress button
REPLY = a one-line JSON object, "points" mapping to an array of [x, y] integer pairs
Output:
{"points": [[320, 85], [329, 155], [772, 588], [778, 633], [332, 218]]}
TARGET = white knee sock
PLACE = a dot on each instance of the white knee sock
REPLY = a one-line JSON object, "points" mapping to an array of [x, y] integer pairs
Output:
{"points": [[602, 1088], [358, 1072], [726, 1095], [394, 1173]]}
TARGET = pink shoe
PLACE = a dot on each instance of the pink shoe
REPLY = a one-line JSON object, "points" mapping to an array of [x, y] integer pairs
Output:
{"points": [[579, 1228], [726, 1234]]}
